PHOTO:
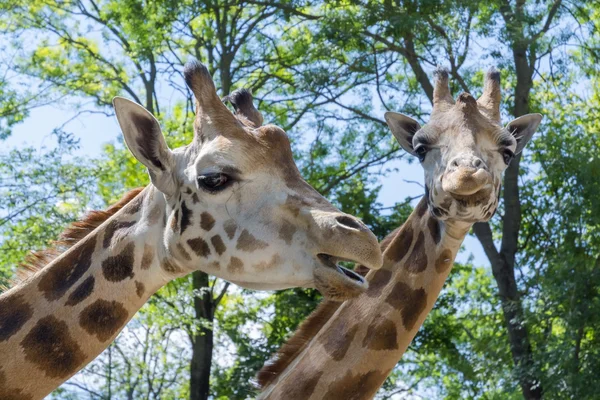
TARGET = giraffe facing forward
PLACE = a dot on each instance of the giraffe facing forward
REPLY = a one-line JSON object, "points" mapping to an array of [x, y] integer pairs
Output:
{"points": [[347, 350], [232, 204]]}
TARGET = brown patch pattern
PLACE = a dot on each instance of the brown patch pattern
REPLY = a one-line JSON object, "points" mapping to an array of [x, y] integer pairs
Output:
{"points": [[63, 275], [154, 215], [381, 334], [186, 217], [247, 242], [434, 228], [378, 281], [206, 221], [286, 232], [139, 288], [218, 244], [112, 228], [76, 232], [339, 338], [302, 388], [169, 266], [51, 348], [82, 291], [444, 261], [410, 302], [355, 387], [265, 265], [235, 265], [417, 261], [400, 244], [183, 252], [8, 393], [103, 319], [195, 198], [230, 227], [14, 313], [119, 267], [148, 256], [199, 246]]}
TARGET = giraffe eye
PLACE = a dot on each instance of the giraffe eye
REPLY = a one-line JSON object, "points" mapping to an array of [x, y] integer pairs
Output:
{"points": [[421, 152], [508, 156], [213, 182]]}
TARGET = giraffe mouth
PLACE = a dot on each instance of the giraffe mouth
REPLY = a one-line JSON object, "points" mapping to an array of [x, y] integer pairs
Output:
{"points": [[330, 261]]}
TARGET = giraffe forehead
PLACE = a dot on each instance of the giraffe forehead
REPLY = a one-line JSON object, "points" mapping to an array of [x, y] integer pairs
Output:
{"points": [[454, 129]]}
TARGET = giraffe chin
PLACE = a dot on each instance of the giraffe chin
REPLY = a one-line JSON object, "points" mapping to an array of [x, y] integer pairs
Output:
{"points": [[335, 282]]}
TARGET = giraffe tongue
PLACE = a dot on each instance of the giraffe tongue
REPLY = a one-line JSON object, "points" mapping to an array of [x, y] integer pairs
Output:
{"points": [[331, 262]]}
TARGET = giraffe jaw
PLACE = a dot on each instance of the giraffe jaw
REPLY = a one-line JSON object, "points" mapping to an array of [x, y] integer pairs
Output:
{"points": [[336, 282]]}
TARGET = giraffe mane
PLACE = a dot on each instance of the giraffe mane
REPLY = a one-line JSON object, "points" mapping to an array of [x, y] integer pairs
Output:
{"points": [[296, 343], [74, 233], [308, 329]]}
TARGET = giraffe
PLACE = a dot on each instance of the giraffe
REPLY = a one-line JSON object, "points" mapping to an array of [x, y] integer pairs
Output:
{"points": [[231, 204], [347, 350]]}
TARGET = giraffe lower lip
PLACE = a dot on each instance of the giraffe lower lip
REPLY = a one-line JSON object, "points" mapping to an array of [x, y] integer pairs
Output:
{"points": [[331, 262]]}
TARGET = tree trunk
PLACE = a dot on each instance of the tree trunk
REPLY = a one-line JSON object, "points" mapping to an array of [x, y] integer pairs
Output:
{"points": [[503, 262], [202, 341]]}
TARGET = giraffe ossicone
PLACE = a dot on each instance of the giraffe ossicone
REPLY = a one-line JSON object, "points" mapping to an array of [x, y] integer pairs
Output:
{"points": [[232, 203], [347, 350]]}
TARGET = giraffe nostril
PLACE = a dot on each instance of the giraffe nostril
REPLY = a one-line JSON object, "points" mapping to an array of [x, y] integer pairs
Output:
{"points": [[349, 222]]}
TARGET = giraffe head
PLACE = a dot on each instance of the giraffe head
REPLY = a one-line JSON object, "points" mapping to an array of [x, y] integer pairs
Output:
{"points": [[236, 205], [463, 148]]}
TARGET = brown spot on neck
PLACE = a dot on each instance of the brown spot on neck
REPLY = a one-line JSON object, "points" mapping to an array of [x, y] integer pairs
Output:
{"points": [[300, 389], [444, 261], [65, 273], [82, 291], [119, 267], [410, 302], [377, 282], [286, 232], [139, 288], [154, 215], [417, 261], [381, 334], [112, 228], [356, 386], [10, 393], [206, 221], [247, 242], [51, 348], [103, 319], [14, 313], [148, 257], [399, 246], [433, 225], [183, 252], [266, 265], [339, 338]]}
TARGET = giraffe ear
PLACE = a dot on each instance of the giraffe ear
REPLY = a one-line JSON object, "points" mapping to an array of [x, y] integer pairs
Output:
{"points": [[523, 129], [404, 128], [146, 142]]}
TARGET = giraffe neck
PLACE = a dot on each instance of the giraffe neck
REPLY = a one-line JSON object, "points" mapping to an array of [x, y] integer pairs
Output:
{"points": [[65, 315], [354, 352]]}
